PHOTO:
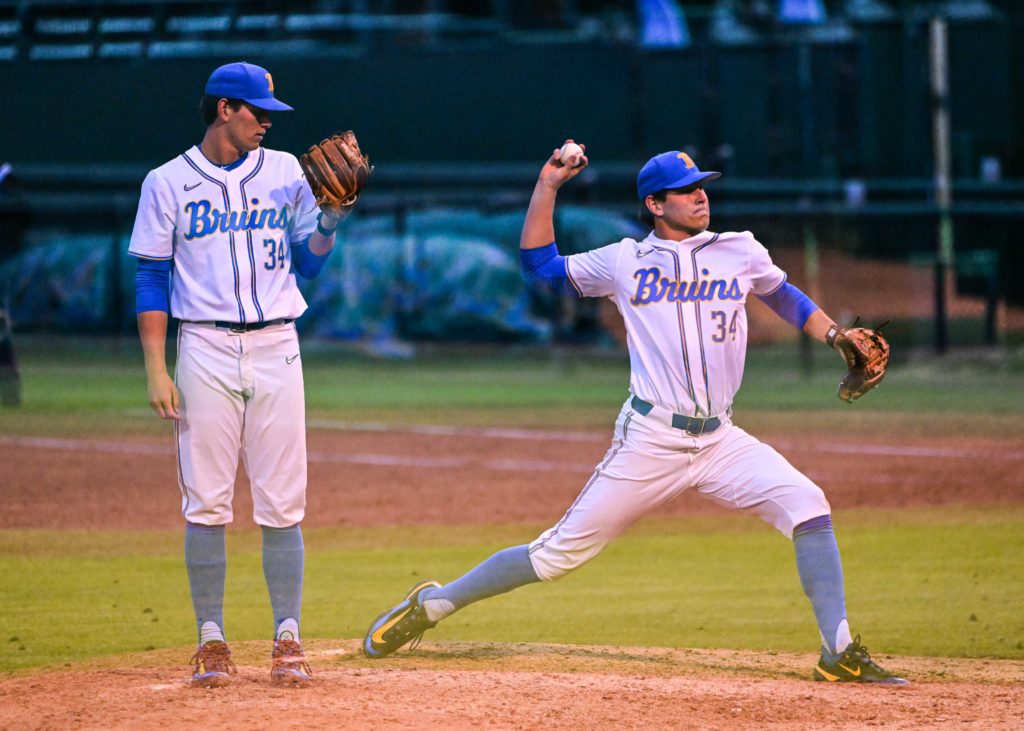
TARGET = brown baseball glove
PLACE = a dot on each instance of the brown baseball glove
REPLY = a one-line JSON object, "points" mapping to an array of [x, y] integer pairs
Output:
{"points": [[336, 170], [866, 353]]}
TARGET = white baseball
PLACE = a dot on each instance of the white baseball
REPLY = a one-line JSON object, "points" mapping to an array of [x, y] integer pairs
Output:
{"points": [[570, 152]]}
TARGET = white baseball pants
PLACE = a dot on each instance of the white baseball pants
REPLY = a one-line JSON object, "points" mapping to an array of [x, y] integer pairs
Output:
{"points": [[242, 396], [650, 462]]}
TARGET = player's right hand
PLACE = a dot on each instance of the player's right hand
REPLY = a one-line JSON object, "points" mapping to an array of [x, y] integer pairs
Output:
{"points": [[163, 396], [556, 173]]}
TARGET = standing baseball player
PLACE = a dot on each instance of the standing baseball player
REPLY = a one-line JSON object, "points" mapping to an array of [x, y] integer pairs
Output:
{"points": [[223, 229], [682, 293]]}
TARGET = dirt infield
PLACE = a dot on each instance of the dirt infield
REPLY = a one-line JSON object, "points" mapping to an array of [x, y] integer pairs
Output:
{"points": [[463, 476], [458, 686], [471, 476]]}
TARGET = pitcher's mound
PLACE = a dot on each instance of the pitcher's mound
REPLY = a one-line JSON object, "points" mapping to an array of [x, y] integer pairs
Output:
{"points": [[502, 686]]}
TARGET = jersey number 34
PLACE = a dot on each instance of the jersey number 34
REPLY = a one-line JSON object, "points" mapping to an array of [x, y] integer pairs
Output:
{"points": [[721, 332], [275, 254]]}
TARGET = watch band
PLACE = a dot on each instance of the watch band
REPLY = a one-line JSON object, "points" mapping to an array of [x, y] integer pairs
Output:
{"points": [[831, 334]]}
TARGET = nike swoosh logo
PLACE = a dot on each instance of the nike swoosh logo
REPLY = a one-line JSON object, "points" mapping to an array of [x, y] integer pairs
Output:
{"points": [[291, 360], [854, 673], [193, 187], [828, 676], [642, 254], [378, 636]]}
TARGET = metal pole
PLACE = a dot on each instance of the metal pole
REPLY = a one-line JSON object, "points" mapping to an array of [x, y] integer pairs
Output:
{"points": [[807, 131], [938, 56], [812, 271], [807, 135]]}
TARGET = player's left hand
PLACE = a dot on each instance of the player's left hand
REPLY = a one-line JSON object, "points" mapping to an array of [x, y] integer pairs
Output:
{"points": [[556, 172], [337, 171], [866, 353]]}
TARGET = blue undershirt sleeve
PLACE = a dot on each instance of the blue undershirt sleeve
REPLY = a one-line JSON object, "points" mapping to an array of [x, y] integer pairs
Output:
{"points": [[544, 264], [791, 304], [151, 285], [305, 262]]}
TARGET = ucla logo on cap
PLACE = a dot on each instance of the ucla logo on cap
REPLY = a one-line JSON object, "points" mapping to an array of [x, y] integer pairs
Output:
{"points": [[245, 81], [670, 170]]}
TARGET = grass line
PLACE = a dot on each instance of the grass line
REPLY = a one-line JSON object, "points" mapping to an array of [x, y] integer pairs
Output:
{"points": [[932, 584]]}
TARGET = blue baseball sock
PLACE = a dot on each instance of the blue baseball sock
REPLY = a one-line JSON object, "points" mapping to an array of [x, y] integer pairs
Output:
{"points": [[821, 574], [283, 559], [206, 563], [504, 571]]}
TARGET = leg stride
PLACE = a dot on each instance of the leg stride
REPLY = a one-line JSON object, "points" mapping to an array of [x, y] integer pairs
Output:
{"points": [[427, 603]]}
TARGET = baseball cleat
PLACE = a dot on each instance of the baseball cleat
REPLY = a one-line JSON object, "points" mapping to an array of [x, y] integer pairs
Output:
{"points": [[288, 666], [400, 625], [212, 666], [855, 666]]}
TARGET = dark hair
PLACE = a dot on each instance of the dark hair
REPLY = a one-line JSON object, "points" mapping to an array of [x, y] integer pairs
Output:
{"points": [[208, 107], [644, 214]]}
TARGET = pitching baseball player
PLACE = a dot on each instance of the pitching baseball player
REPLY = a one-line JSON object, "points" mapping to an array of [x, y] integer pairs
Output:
{"points": [[223, 229], [682, 292]]}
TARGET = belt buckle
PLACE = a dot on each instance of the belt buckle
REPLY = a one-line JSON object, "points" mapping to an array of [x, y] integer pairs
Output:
{"points": [[692, 432], [240, 329]]}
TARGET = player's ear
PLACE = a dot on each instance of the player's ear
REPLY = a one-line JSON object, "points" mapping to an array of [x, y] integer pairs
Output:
{"points": [[653, 205]]}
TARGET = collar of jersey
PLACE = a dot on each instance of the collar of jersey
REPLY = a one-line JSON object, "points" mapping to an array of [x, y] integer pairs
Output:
{"points": [[701, 238], [210, 164]]}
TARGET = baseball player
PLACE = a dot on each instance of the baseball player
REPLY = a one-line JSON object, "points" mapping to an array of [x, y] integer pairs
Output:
{"points": [[223, 229], [681, 292]]}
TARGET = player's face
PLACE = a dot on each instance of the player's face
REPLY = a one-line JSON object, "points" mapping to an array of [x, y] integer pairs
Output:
{"points": [[684, 211], [246, 127]]}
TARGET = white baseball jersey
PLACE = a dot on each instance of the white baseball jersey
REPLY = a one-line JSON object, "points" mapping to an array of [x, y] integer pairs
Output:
{"points": [[684, 308], [229, 233]]}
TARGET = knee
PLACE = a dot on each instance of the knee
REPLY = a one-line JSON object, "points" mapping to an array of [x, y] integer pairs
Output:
{"points": [[819, 503], [550, 562], [294, 527], [287, 516], [194, 527], [549, 566], [810, 512], [819, 523]]}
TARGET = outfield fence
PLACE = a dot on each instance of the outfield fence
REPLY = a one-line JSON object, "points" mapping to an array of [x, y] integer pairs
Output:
{"points": [[432, 255]]}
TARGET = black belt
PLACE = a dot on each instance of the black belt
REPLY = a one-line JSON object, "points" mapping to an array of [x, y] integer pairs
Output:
{"points": [[242, 327], [690, 424]]}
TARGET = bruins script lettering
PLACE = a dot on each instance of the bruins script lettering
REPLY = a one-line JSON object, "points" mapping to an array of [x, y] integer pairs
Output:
{"points": [[205, 220], [651, 288]]}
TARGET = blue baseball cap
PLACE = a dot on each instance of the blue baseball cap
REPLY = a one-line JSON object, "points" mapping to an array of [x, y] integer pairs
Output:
{"points": [[673, 169], [245, 81]]}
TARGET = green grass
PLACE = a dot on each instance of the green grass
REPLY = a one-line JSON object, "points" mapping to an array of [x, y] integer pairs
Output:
{"points": [[928, 582], [938, 582], [91, 386]]}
